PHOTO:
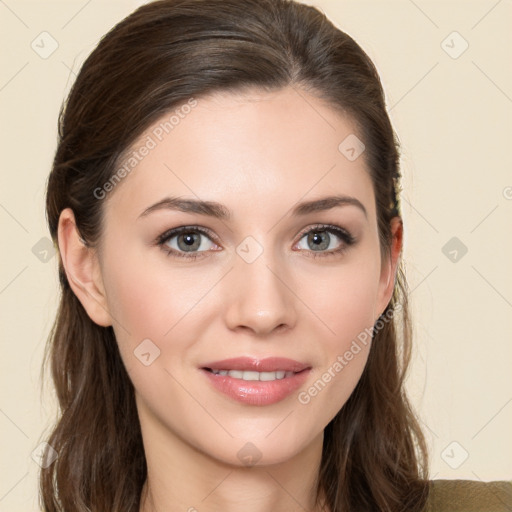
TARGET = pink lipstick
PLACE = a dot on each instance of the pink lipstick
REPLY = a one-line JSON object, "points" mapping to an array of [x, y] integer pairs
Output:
{"points": [[256, 381]]}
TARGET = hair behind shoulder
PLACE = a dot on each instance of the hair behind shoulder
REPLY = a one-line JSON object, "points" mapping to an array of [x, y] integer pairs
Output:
{"points": [[166, 52]]}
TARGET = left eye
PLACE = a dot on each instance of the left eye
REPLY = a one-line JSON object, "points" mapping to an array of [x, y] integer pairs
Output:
{"points": [[322, 239]]}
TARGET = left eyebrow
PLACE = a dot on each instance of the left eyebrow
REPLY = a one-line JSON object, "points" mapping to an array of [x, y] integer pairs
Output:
{"points": [[219, 211], [327, 203]]}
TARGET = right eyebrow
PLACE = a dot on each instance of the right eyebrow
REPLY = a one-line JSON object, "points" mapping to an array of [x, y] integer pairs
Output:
{"points": [[210, 208]]}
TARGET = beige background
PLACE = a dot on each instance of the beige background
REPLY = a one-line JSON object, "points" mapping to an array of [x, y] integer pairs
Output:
{"points": [[453, 117]]}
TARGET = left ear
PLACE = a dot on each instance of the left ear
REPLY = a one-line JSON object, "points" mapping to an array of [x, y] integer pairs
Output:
{"points": [[389, 267]]}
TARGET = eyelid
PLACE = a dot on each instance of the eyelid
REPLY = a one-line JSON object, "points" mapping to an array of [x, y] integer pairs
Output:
{"points": [[188, 227], [329, 228]]}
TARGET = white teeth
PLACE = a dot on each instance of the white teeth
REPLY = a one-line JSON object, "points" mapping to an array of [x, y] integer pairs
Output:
{"points": [[249, 375], [252, 375], [271, 375]]}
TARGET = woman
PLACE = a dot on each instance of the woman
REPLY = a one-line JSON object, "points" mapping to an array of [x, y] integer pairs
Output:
{"points": [[233, 329]]}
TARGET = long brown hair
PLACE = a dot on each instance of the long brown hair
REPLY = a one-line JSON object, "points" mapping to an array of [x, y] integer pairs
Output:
{"points": [[374, 455]]}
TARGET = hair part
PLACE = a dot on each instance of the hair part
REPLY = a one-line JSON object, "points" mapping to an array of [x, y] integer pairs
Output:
{"points": [[164, 53]]}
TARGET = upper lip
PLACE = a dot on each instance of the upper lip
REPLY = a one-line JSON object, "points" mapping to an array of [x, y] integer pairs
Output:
{"points": [[269, 364]]}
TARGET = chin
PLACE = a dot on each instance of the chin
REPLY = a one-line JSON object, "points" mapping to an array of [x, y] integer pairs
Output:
{"points": [[259, 451]]}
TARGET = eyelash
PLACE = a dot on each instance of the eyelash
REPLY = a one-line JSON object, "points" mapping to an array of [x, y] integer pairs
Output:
{"points": [[341, 233]]}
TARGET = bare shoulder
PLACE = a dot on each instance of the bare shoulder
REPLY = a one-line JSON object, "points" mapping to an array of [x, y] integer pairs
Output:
{"points": [[470, 496]]}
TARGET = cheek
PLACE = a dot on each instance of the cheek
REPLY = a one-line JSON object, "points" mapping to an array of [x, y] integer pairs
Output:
{"points": [[344, 299], [150, 300], [345, 302], [145, 297]]}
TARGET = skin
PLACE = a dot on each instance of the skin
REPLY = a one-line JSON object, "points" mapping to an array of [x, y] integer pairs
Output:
{"points": [[259, 154]]}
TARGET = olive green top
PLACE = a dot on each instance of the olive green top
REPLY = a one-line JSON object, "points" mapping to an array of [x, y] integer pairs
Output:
{"points": [[470, 496]]}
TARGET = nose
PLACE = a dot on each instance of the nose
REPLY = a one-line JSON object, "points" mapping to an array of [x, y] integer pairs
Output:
{"points": [[261, 297]]}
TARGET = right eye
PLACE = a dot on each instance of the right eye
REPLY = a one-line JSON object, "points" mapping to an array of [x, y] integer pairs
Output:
{"points": [[186, 241]]}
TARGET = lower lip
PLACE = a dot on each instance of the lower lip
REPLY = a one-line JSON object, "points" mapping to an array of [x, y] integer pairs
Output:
{"points": [[255, 392]]}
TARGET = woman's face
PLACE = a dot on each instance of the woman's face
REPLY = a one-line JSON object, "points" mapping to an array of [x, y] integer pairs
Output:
{"points": [[264, 280]]}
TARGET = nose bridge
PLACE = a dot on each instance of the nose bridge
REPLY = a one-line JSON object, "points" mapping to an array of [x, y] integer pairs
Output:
{"points": [[260, 297]]}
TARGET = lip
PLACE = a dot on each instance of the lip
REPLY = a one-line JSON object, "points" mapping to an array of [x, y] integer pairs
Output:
{"points": [[269, 364], [257, 392]]}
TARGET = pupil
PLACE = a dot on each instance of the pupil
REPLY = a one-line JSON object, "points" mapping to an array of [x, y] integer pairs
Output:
{"points": [[320, 241], [187, 241]]}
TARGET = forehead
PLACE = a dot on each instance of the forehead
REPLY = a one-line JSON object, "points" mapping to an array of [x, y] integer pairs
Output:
{"points": [[249, 150]]}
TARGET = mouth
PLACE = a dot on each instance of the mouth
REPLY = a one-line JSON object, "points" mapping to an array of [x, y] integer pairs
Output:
{"points": [[256, 382], [253, 375], [253, 364]]}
